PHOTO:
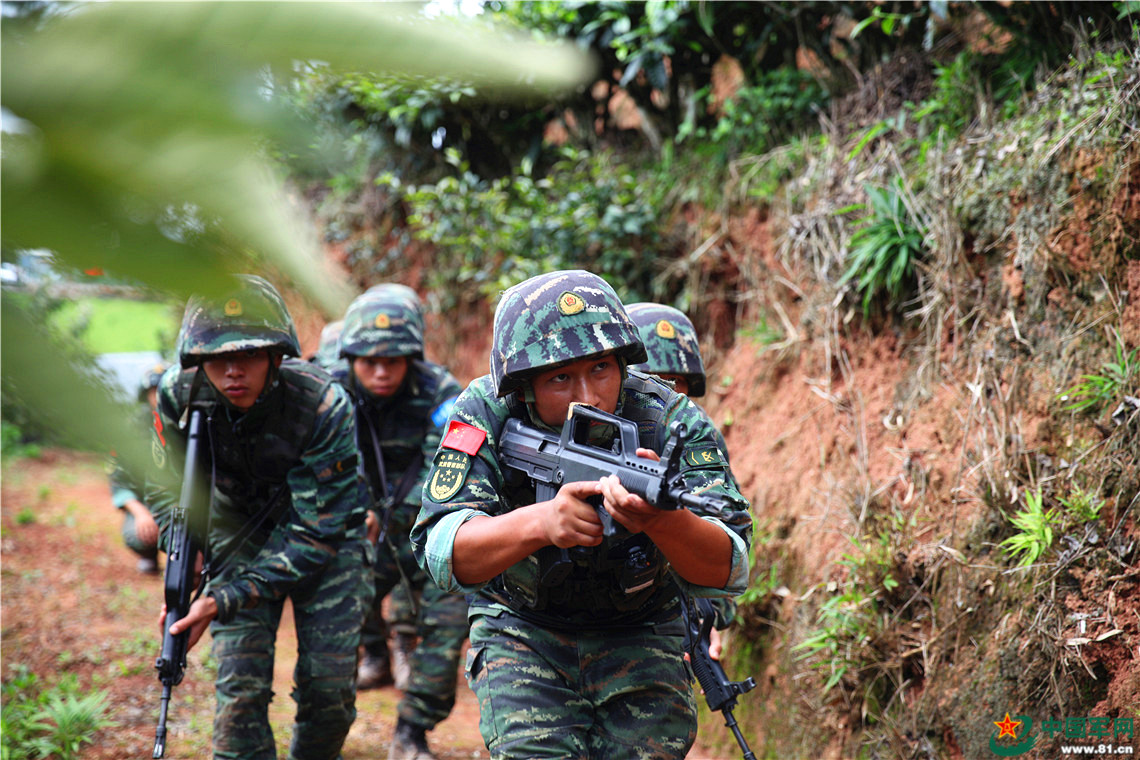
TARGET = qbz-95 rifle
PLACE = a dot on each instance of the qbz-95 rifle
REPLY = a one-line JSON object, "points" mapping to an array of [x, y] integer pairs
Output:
{"points": [[551, 460], [720, 692], [180, 579]]}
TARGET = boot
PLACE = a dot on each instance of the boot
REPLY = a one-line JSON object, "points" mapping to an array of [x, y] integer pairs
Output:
{"points": [[148, 563], [402, 660], [373, 671], [409, 742]]}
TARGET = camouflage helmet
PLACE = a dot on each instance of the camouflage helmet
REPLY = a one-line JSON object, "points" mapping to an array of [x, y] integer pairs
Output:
{"points": [[328, 349], [671, 343], [251, 316], [384, 321], [395, 290], [558, 318], [151, 378]]}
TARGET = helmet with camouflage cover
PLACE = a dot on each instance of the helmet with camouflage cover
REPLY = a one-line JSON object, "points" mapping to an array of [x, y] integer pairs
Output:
{"points": [[251, 316], [151, 378], [555, 319], [328, 348], [671, 343], [384, 321], [395, 290]]}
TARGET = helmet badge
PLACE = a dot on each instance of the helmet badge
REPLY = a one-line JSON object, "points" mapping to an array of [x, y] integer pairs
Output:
{"points": [[569, 304], [382, 321], [232, 308], [666, 330]]}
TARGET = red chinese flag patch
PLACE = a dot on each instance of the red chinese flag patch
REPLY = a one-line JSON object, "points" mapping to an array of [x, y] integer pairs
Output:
{"points": [[158, 428], [463, 437]]}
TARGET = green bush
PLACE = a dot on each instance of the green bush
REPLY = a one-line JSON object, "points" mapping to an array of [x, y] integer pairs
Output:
{"points": [[40, 722], [15, 445], [1034, 531], [1094, 392], [884, 248], [588, 213]]}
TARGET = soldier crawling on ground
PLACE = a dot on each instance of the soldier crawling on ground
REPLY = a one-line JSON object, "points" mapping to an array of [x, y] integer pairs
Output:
{"points": [[287, 518], [587, 661]]}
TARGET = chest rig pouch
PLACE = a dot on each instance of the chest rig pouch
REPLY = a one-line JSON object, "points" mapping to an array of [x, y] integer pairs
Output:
{"points": [[616, 582], [252, 454]]}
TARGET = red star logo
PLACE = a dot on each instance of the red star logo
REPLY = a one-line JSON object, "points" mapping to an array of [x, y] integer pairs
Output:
{"points": [[1007, 727]]}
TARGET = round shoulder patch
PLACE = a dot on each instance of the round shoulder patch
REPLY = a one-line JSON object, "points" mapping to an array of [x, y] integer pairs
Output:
{"points": [[447, 474], [666, 330], [569, 304], [233, 308]]}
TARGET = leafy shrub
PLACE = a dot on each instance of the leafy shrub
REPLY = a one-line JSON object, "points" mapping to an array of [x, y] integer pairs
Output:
{"points": [[56, 722], [884, 248], [760, 116], [1081, 506], [847, 624], [587, 213], [1094, 392], [1035, 531], [14, 445]]}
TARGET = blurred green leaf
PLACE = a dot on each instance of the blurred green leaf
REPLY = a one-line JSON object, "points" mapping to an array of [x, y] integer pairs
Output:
{"points": [[138, 142]]}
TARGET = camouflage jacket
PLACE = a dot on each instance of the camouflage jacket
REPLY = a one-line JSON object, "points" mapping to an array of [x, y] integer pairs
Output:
{"points": [[291, 457], [473, 484], [408, 428], [126, 485]]}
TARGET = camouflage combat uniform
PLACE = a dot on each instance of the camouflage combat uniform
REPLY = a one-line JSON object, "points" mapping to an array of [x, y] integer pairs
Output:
{"points": [[592, 666], [672, 348], [327, 356], [126, 487], [286, 520], [405, 428]]}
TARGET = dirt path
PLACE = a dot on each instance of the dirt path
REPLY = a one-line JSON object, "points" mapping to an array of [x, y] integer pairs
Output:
{"points": [[72, 602]]}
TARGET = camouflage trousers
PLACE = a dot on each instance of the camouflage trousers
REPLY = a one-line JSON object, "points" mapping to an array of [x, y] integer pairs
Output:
{"points": [[441, 624], [600, 694], [328, 610]]}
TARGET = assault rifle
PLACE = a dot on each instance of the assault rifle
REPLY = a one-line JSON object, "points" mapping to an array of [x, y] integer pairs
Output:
{"points": [[720, 693], [181, 556], [551, 460]]}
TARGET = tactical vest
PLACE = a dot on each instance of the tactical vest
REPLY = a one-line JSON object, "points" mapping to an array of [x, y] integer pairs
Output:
{"points": [[620, 582], [400, 423], [252, 453]]}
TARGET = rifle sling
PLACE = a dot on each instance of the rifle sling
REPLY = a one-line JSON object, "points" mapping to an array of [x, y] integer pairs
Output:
{"points": [[390, 501]]}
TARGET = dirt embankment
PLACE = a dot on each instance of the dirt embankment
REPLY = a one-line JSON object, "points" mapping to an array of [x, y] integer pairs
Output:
{"points": [[884, 461]]}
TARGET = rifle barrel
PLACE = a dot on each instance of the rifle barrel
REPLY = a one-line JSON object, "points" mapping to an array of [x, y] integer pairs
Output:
{"points": [[160, 732]]}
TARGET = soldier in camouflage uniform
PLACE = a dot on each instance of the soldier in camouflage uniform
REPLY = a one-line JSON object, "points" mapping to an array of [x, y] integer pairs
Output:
{"points": [[674, 355], [287, 518], [589, 664], [140, 530], [402, 402], [327, 356]]}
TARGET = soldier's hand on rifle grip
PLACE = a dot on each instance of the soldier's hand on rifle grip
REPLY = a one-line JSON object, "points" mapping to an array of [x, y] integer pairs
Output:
{"points": [[201, 613], [568, 520]]}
